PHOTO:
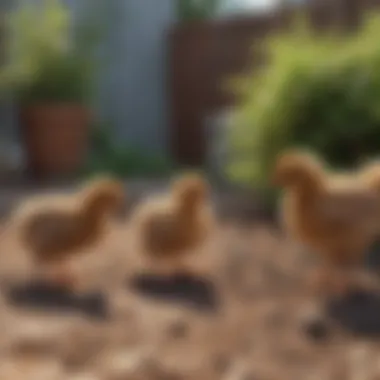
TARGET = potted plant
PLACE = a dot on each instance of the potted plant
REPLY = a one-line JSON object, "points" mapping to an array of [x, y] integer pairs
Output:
{"points": [[51, 75]]}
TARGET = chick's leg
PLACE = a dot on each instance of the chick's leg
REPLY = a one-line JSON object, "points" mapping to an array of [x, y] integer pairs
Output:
{"points": [[341, 281], [168, 266], [177, 265], [320, 279], [347, 264], [331, 280], [61, 274], [184, 266], [340, 272]]}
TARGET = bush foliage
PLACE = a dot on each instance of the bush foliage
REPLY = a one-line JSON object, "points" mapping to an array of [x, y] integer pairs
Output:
{"points": [[54, 58], [318, 92]]}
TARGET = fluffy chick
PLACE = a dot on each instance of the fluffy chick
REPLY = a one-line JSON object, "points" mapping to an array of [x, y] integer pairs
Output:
{"points": [[57, 226], [333, 214], [169, 226], [369, 174]]}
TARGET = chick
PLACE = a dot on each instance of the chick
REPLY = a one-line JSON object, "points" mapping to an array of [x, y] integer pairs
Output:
{"points": [[170, 226], [369, 174], [56, 227], [335, 215]]}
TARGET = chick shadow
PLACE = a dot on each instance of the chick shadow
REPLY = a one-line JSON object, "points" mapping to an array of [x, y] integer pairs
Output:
{"points": [[187, 290], [358, 312], [45, 296], [372, 258]]}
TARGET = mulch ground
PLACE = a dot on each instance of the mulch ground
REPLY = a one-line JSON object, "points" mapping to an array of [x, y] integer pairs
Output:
{"points": [[249, 316]]}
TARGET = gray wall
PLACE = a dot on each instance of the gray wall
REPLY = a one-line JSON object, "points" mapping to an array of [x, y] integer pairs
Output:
{"points": [[132, 91]]}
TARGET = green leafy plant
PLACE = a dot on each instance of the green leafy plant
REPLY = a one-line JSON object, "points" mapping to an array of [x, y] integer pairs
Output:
{"points": [[320, 92], [193, 10], [49, 58], [122, 160]]}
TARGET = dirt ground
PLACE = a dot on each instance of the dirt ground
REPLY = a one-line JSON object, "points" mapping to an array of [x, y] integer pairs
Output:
{"points": [[248, 316]]}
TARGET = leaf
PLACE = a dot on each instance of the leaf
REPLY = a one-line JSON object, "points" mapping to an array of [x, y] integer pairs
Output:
{"points": [[319, 91]]}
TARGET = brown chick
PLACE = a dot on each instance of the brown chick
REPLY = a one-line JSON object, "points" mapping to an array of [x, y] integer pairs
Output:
{"points": [[170, 226], [56, 227], [369, 174], [333, 214]]}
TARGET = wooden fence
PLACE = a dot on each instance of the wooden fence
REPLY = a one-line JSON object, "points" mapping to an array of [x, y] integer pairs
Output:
{"points": [[203, 55]]}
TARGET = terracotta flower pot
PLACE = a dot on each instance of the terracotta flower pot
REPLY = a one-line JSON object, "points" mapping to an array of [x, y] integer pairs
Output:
{"points": [[55, 138]]}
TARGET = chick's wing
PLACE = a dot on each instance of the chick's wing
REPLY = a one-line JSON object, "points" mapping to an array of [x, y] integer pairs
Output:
{"points": [[51, 227]]}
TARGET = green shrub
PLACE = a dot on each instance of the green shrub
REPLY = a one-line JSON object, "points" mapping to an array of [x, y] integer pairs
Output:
{"points": [[109, 157], [49, 57], [320, 92]]}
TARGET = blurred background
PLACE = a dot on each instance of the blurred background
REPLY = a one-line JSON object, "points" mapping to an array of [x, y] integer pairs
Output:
{"points": [[137, 89], [141, 89]]}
